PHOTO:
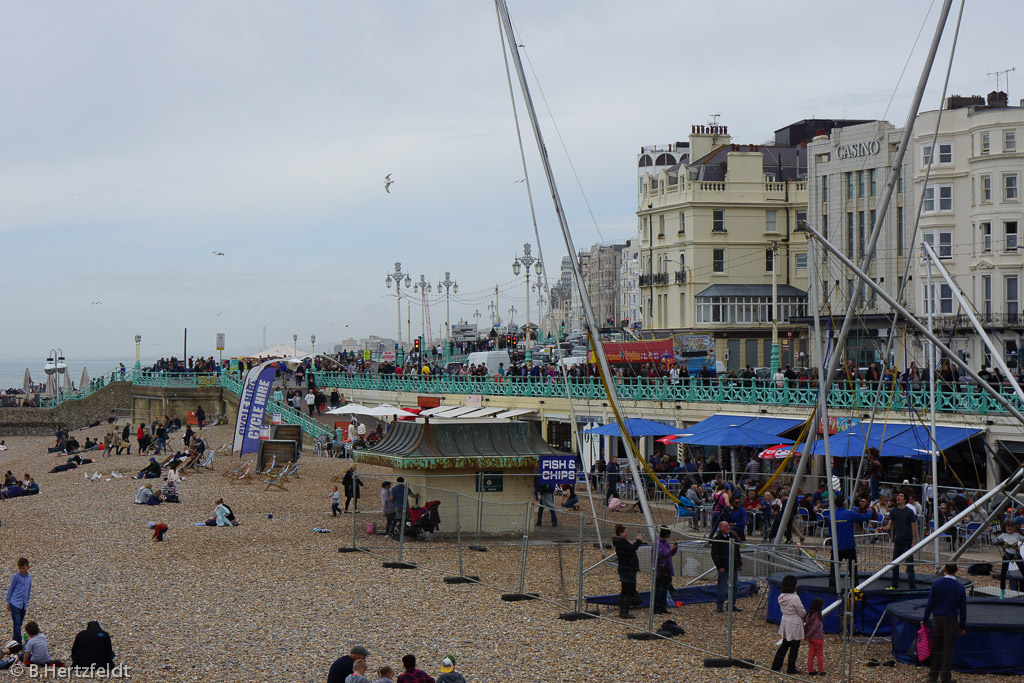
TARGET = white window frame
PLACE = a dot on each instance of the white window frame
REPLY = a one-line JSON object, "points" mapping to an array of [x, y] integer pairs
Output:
{"points": [[941, 242], [986, 189], [986, 144], [801, 261], [945, 153], [1010, 140], [715, 261], [986, 237], [714, 220], [929, 200], [771, 220], [1011, 239], [926, 155], [1012, 304], [1011, 187], [682, 223]]}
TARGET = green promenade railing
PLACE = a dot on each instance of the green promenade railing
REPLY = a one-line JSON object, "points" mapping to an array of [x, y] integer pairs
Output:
{"points": [[966, 400]]}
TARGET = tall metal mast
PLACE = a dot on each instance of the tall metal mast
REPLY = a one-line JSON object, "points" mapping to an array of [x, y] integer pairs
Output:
{"points": [[591, 320]]}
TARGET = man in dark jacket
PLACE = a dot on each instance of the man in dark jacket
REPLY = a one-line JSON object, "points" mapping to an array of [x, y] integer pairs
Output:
{"points": [[342, 666], [611, 474], [92, 647], [629, 565], [720, 556]]}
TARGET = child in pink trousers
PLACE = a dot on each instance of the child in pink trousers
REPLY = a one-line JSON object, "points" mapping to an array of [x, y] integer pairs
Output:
{"points": [[814, 633]]}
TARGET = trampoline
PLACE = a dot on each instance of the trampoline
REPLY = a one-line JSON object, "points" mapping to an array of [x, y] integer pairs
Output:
{"points": [[993, 643], [868, 612], [690, 595]]}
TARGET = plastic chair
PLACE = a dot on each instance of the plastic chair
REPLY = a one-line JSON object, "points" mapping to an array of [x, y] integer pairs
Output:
{"points": [[947, 536]]}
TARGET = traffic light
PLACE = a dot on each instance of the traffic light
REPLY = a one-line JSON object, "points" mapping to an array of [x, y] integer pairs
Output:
{"points": [[508, 341], [416, 345]]}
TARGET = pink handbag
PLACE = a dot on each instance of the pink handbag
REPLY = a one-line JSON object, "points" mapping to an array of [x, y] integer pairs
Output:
{"points": [[371, 528], [924, 643]]}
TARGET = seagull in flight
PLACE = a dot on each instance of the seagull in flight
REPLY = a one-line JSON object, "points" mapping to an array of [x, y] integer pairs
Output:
{"points": [[218, 253], [220, 314], [95, 303], [521, 180], [388, 182]]}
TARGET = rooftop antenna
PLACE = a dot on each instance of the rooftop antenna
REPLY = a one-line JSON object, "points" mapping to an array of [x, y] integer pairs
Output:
{"points": [[1004, 71], [714, 119]]}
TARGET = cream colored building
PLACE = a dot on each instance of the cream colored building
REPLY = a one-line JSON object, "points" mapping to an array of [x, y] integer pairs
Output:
{"points": [[973, 217], [849, 169], [716, 219]]}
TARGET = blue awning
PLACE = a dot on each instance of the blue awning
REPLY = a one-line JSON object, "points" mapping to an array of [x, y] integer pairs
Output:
{"points": [[770, 425], [637, 427], [919, 439], [893, 440], [732, 436]]}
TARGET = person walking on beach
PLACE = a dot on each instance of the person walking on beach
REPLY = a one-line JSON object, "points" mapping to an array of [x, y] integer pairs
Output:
{"points": [[351, 483], [947, 604], [200, 416], [310, 401], [791, 627], [629, 565], [903, 522], [720, 556], [611, 474], [18, 593], [335, 501], [387, 508]]}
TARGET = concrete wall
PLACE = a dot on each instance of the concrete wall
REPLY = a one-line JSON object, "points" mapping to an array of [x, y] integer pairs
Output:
{"points": [[74, 414], [146, 403], [154, 403]]}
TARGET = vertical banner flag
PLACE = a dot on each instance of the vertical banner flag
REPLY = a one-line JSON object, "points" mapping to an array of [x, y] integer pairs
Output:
{"points": [[252, 406], [257, 410], [557, 469]]}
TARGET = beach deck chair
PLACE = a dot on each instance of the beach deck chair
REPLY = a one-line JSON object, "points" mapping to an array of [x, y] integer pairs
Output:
{"points": [[242, 474], [276, 479], [206, 462]]}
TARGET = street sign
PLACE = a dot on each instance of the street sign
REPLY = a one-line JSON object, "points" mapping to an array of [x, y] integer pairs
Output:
{"points": [[490, 482], [366, 355], [387, 356], [220, 341]]}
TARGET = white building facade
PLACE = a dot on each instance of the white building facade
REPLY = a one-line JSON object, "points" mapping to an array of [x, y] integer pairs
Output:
{"points": [[972, 216], [848, 172]]}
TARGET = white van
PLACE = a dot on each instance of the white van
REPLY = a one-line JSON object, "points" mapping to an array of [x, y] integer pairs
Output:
{"points": [[490, 359]]}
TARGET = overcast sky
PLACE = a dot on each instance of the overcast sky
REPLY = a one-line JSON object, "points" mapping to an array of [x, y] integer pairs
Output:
{"points": [[139, 137]]}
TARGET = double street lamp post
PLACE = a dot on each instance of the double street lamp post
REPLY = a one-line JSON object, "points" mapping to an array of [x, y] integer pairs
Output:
{"points": [[399, 279], [526, 261], [450, 286]]}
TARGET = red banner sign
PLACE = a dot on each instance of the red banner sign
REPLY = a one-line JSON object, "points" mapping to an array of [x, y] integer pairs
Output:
{"points": [[652, 351]]}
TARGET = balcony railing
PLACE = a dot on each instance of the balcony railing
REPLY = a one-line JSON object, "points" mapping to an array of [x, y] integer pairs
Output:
{"points": [[661, 279], [997, 321], [680, 277]]}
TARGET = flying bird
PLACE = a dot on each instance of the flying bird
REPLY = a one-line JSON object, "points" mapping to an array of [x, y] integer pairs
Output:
{"points": [[94, 303], [521, 180], [388, 182], [220, 314], [218, 253]]}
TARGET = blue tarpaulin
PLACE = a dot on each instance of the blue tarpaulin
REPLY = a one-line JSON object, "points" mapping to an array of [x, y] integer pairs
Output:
{"points": [[772, 425]]}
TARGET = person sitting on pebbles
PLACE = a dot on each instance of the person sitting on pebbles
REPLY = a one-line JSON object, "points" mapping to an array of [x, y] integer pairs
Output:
{"points": [[146, 496], [150, 471], [11, 650], [15, 490], [170, 491], [222, 516]]}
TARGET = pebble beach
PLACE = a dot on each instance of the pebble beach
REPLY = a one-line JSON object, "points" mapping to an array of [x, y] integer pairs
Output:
{"points": [[271, 600]]}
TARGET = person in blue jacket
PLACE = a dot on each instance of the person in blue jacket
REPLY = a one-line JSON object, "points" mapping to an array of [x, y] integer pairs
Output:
{"points": [[845, 542]]}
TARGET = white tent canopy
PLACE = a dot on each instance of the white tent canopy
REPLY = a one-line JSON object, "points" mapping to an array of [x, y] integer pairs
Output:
{"points": [[352, 409], [387, 410], [280, 351]]}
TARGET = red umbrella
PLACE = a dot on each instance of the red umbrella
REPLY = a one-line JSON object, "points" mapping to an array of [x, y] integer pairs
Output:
{"points": [[671, 438], [776, 452]]}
